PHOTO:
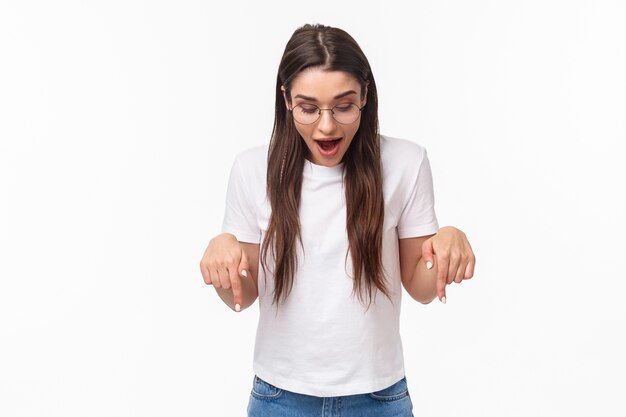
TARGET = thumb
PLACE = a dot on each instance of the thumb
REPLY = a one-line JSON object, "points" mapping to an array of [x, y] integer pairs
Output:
{"points": [[243, 264], [427, 253], [429, 259]]}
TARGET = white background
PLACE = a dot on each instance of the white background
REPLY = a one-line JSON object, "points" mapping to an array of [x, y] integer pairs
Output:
{"points": [[119, 122]]}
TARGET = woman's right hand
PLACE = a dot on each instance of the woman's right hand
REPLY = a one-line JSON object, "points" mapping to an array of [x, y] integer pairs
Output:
{"points": [[223, 263]]}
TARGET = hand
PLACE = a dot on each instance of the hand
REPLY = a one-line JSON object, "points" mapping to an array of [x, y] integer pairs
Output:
{"points": [[223, 263], [455, 258]]}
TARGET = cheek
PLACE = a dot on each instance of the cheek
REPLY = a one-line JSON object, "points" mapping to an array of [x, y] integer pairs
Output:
{"points": [[351, 131], [304, 132]]}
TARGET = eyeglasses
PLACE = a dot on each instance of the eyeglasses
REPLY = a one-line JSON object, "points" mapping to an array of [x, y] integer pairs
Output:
{"points": [[307, 114]]}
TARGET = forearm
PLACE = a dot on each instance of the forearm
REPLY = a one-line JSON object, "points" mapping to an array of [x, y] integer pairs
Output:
{"points": [[423, 285]]}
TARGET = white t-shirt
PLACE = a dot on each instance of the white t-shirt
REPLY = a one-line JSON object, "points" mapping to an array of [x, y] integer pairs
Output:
{"points": [[321, 341]]}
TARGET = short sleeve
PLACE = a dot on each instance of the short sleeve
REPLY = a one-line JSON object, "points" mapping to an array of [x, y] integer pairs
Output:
{"points": [[240, 215], [418, 215]]}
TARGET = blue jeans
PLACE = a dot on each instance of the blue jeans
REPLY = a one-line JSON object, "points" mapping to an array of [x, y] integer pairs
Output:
{"points": [[266, 400]]}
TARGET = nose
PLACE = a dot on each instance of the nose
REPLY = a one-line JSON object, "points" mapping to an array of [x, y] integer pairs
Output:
{"points": [[327, 122]]}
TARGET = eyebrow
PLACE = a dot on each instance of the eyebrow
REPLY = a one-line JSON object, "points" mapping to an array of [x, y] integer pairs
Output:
{"points": [[347, 93]]}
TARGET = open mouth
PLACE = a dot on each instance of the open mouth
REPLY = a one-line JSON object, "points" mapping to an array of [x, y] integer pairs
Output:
{"points": [[328, 147]]}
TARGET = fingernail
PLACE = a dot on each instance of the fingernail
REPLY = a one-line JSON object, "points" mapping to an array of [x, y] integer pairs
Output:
{"points": [[429, 265], [244, 273], [237, 307], [443, 300]]}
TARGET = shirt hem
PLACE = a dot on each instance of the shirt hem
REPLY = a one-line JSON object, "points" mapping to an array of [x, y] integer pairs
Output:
{"points": [[427, 229], [306, 388], [243, 237]]}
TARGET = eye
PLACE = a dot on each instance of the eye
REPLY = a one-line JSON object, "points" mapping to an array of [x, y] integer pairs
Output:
{"points": [[343, 107], [308, 108]]}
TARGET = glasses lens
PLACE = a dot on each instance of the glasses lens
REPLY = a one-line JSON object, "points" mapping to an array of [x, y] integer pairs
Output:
{"points": [[346, 113], [343, 113], [306, 113]]}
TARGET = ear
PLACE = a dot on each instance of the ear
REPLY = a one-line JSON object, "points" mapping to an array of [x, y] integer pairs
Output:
{"points": [[282, 89], [367, 83]]}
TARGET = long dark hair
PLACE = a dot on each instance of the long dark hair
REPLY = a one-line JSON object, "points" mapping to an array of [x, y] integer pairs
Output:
{"points": [[330, 49]]}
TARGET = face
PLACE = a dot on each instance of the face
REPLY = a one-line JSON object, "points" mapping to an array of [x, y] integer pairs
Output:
{"points": [[326, 89]]}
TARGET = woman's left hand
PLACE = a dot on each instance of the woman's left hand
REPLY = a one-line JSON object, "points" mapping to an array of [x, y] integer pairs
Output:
{"points": [[454, 255]]}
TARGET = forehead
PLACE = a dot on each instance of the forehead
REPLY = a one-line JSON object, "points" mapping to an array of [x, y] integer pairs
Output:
{"points": [[323, 85]]}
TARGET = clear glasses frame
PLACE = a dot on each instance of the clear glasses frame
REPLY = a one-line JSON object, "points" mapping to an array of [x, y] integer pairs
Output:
{"points": [[319, 113]]}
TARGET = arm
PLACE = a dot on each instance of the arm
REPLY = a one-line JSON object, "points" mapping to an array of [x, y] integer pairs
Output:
{"points": [[418, 281], [448, 249], [237, 249]]}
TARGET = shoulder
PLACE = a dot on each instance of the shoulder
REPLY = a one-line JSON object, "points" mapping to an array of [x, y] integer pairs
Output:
{"points": [[252, 162], [248, 169], [256, 155], [401, 152]]}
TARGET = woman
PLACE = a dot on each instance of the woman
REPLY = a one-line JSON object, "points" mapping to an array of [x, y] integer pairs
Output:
{"points": [[328, 193]]}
